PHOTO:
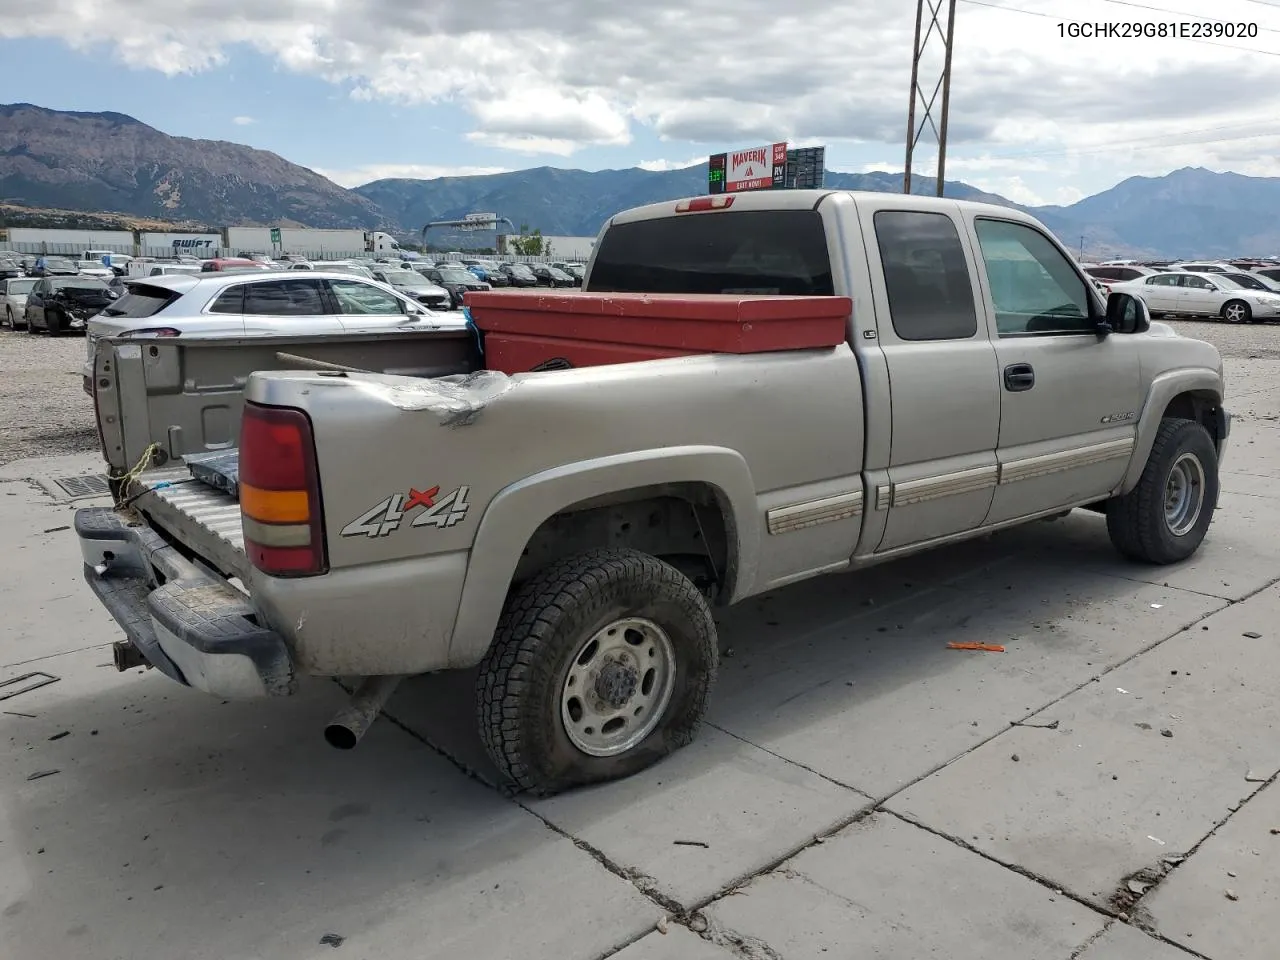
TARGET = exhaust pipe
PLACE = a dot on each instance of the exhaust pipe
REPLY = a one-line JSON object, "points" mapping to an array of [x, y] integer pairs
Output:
{"points": [[345, 730]]}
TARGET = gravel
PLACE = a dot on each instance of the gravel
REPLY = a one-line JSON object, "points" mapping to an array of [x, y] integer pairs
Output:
{"points": [[44, 410], [1246, 341], [43, 407]]}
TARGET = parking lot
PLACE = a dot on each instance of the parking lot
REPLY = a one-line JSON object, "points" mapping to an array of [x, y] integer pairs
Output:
{"points": [[1104, 789]]}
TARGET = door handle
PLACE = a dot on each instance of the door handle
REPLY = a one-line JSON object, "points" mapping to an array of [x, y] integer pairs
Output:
{"points": [[1019, 377]]}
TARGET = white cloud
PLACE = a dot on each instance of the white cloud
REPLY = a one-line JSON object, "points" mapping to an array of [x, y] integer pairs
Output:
{"points": [[402, 171], [243, 121], [1036, 104], [658, 166]]}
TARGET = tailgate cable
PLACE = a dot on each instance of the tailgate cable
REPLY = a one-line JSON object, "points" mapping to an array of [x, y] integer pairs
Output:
{"points": [[138, 468]]}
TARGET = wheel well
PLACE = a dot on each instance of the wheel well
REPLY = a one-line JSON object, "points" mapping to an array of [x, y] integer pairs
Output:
{"points": [[1202, 407], [686, 524]]}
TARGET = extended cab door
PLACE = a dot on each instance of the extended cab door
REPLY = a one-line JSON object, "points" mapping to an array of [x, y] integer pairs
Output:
{"points": [[944, 400], [1069, 399]]}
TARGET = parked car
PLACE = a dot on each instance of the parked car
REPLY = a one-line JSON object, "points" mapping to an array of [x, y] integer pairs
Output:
{"points": [[1269, 273], [1204, 266], [415, 286], [569, 542], [343, 266], [172, 269], [58, 304], [1208, 294], [13, 301], [493, 274], [1117, 273], [53, 267], [549, 276], [227, 264], [576, 270], [458, 280], [519, 274], [1252, 281], [10, 269], [95, 268]]}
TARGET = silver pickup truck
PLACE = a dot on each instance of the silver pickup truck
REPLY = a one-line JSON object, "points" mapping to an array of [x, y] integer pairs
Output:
{"points": [[568, 532]]}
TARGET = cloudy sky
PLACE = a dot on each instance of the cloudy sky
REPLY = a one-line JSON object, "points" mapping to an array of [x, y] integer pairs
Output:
{"points": [[362, 89]]}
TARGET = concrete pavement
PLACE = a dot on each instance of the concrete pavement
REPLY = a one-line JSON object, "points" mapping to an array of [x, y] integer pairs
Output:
{"points": [[856, 792]]}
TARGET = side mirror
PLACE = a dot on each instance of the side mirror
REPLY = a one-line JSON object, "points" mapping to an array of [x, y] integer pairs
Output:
{"points": [[1127, 314]]}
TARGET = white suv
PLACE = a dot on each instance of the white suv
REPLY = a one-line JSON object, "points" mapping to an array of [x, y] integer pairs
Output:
{"points": [[277, 303]]}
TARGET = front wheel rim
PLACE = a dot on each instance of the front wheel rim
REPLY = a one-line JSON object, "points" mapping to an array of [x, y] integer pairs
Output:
{"points": [[1235, 313], [1184, 494], [618, 686]]}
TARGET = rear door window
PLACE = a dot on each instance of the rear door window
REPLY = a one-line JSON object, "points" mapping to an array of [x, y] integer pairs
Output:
{"points": [[285, 298], [732, 251]]}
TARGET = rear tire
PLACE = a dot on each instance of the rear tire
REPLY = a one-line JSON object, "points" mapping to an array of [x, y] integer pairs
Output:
{"points": [[605, 635], [1165, 517]]}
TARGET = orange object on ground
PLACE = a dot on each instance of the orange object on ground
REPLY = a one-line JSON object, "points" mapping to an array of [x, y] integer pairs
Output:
{"points": [[989, 647], [523, 331]]}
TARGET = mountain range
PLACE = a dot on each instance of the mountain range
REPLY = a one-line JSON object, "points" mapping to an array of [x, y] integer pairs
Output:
{"points": [[110, 162]]}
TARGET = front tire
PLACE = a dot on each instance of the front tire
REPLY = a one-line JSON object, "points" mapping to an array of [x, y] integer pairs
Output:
{"points": [[1165, 517], [602, 664], [1237, 311]]}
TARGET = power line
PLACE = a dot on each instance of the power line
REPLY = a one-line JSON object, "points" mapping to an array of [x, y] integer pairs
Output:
{"points": [[1137, 141], [1049, 16], [1110, 148], [1181, 13]]}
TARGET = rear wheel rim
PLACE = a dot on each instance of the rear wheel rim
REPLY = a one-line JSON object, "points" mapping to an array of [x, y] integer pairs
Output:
{"points": [[1184, 494], [618, 686]]}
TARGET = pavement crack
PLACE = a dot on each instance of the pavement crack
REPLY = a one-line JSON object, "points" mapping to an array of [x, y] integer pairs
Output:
{"points": [[1078, 951], [739, 944], [1058, 889], [789, 760]]}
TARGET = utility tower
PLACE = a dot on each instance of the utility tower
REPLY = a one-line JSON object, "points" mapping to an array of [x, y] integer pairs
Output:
{"points": [[941, 31]]}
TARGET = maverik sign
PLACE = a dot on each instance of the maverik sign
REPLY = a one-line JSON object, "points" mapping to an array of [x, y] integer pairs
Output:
{"points": [[759, 168]]}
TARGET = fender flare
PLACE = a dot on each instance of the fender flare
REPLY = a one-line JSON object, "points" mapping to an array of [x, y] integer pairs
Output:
{"points": [[518, 510], [1164, 388]]}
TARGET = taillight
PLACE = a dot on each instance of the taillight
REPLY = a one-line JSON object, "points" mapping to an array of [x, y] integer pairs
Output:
{"points": [[280, 493], [704, 203], [151, 332]]}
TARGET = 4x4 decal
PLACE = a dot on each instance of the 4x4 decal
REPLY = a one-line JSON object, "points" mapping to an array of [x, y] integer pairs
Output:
{"points": [[387, 516]]}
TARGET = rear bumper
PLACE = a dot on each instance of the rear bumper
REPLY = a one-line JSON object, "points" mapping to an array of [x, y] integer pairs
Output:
{"points": [[189, 623]]}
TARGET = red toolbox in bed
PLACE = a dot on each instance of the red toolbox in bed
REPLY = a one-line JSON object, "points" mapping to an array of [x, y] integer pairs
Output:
{"points": [[523, 331]]}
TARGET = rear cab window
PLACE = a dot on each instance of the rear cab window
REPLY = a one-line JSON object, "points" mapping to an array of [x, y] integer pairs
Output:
{"points": [[780, 252], [926, 276]]}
